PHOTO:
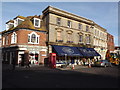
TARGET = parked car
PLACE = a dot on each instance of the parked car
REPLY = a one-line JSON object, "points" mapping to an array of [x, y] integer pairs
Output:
{"points": [[61, 64], [103, 63]]}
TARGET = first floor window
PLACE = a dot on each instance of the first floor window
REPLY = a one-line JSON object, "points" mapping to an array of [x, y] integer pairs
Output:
{"points": [[13, 38], [33, 38], [87, 39], [80, 38]]}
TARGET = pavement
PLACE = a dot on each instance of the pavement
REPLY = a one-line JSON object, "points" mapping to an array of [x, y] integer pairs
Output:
{"points": [[45, 77]]}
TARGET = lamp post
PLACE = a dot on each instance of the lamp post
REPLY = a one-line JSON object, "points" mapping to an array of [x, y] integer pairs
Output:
{"points": [[66, 58]]}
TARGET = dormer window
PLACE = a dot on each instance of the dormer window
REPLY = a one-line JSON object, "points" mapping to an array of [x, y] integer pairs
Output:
{"points": [[18, 21], [33, 38], [36, 22], [9, 25]]}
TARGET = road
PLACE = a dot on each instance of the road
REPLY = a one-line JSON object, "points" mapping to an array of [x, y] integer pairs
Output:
{"points": [[44, 77]]}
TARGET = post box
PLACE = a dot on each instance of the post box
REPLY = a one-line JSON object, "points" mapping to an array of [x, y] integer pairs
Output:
{"points": [[52, 60]]}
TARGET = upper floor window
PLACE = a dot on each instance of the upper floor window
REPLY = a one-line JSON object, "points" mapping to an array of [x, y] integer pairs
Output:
{"points": [[9, 25], [36, 22], [88, 39], [58, 21], [3, 40], [69, 24], [33, 38], [79, 26], [18, 21], [80, 38], [87, 28], [13, 38], [59, 37], [6, 40]]}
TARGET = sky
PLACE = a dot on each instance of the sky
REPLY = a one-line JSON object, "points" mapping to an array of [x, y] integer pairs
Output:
{"points": [[104, 14]]}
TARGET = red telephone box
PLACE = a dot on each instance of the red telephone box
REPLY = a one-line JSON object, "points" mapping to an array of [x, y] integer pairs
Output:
{"points": [[52, 60]]}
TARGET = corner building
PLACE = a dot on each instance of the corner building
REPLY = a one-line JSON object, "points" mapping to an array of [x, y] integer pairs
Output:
{"points": [[24, 39]]}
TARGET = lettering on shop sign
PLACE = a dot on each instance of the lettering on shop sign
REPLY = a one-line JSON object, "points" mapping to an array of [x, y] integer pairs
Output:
{"points": [[67, 50]]}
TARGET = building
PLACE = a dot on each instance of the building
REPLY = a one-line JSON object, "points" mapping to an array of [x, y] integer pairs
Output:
{"points": [[67, 29], [1, 46], [23, 39], [110, 42], [100, 40], [68, 35]]}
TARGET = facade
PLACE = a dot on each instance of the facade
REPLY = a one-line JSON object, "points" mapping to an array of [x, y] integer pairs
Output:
{"points": [[34, 37], [24, 39], [100, 40], [110, 42], [68, 29], [1, 46]]}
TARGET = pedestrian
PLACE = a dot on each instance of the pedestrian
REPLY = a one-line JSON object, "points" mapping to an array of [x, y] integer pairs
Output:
{"points": [[84, 60], [89, 63], [28, 64]]}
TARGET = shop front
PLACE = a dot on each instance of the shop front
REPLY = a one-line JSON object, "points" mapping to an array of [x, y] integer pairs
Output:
{"points": [[74, 55]]}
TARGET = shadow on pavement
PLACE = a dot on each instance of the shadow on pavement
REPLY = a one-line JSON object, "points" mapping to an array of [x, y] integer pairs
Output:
{"points": [[45, 77]]}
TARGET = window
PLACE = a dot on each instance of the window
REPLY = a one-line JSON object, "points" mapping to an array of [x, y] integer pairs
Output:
{"points": [[13, 38], [20, 21], [3, 41], [9, 25], [87, 28], [6, 40], [59, 36], [88, 39], [58, 21], [33, 38], [36, 22], [69, 24], [79, 26], [69, 39], [80, 38]]}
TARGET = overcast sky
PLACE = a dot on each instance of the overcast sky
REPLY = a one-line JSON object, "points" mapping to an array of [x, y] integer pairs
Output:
{"points": [[104, 14]]}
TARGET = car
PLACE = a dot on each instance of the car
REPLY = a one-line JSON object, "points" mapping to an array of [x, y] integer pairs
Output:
{"points": [[61, 64], [103, 63]]}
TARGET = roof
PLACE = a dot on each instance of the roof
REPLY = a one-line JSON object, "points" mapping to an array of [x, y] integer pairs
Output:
{"points": [[10, 21], [27, 23], [20, 17]]}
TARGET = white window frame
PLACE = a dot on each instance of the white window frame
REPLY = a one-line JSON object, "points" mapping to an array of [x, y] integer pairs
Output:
{"points": [[8, 25], [38, 23], [16, 21], [37, 37], [14, 38]]}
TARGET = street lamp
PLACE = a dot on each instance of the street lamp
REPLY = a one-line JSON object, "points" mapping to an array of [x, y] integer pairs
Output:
{"points": [[66, 58]]}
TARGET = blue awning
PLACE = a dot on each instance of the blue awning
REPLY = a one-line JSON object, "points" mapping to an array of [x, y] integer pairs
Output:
{"points": [[93, 52], [69, 51], [88, 52]]}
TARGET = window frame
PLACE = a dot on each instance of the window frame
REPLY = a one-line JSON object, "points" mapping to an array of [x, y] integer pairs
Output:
{"points": [[38, 22], [30, 38], [69, 25], [13, 38], [58, 21]]}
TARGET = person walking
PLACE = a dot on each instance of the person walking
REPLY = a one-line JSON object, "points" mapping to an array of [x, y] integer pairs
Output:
{"points": [[89, 63]]}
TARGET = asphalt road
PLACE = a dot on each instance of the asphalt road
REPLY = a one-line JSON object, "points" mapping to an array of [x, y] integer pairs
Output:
{"points": [[44, 77]]}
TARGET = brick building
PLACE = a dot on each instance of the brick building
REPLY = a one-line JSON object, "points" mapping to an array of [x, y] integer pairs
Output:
{"points": [[110, 42], [24, 39]]}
